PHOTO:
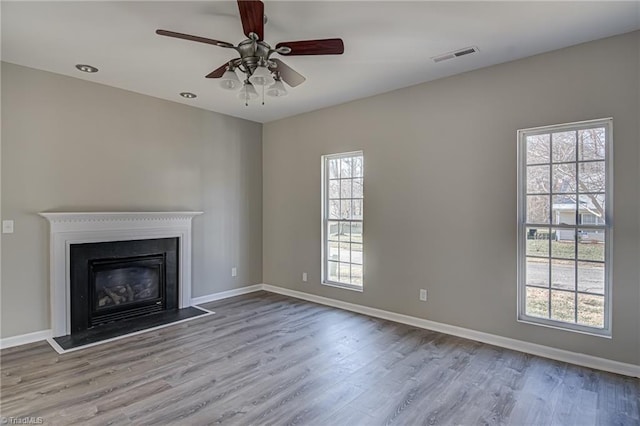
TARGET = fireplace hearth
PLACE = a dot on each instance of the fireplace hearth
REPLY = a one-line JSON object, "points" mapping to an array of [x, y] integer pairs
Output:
{"points": [[118, 280]]}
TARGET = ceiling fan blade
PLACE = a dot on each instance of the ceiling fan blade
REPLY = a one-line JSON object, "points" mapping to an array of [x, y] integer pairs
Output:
{"points": [[288, 75], [194, 38], [252, 16], [329, 46], [218, 72]]}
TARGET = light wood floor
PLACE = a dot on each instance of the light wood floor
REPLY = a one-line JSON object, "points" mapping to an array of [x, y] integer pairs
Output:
{"points": [[269, 359]]}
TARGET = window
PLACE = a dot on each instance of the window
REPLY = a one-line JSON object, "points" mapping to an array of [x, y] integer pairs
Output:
{"points": [[342, 202], [564, 226]]}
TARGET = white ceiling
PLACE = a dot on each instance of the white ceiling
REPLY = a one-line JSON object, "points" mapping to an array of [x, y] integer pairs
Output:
{"points": [[388, 45]]}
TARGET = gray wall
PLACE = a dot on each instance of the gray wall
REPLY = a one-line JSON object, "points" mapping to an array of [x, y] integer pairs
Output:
{"points": [[446, 152], [72, 145]]}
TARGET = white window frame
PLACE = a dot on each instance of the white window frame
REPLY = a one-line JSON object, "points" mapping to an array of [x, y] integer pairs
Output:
{"points": [[607, 123], [325, 219]]}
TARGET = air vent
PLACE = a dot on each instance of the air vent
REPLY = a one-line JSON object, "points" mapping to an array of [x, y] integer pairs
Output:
{"points": [[456, 54]]}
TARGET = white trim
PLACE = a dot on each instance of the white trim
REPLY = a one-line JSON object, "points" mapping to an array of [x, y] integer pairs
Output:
{"points": [[491, 339], [225, 294], [23, 339], [38, 336], [61, 351], [68, 228], [606, 330], [324, 191]]}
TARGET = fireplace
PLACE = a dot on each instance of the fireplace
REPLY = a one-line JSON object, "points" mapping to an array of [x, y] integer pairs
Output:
{"points": [[117, 280], [83, 233]]}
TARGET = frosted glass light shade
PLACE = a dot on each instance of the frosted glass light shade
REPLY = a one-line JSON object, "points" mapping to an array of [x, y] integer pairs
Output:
{"points": [[277, 90], [248, 92], [261, 77], [230, 80]]}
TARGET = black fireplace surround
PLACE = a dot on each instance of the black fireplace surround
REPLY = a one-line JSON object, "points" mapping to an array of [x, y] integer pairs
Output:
{"points": [[119, 280]]}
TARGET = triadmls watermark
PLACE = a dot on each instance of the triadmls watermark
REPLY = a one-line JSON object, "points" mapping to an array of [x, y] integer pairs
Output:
{"points": [[21, 420]]}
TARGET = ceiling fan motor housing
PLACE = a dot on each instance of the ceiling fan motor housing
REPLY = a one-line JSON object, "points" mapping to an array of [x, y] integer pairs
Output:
{"points": [[252, 53]]}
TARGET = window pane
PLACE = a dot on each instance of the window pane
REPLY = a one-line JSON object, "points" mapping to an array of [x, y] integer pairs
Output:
{"points": [[357, 188], [564, 146], [334, 189], [591, 144], [332, 271], [334, 209], [333, 230], [591, 176], [564, 178], [592, 209], [356, 274], [537, 179], [358, 169], [333, 250], [563, 243], [345, 188], [537, 242], [591, 310], [345, 253], [346, 167], [563, 274], [537, 209], [564, 209], [344, 273], [591, 244], [591, 277], [356, 253], [537, 272], [356, 209], [345, 231], [538, 149], [563, 306], [334, 169], [537, 302], [345, 209], [356, 232]]}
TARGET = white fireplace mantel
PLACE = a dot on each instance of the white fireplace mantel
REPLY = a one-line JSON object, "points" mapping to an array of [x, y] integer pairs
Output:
{"points": [[76, 228]]}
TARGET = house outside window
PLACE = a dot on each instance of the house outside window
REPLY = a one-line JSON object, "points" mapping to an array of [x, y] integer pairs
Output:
{"points": [[342, 220], [564, 226]]}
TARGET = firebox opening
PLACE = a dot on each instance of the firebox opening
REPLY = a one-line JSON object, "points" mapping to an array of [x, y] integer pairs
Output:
{"points": [[117, 280]]}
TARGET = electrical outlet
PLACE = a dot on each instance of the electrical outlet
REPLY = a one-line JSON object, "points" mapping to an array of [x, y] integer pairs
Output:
{"points": [[234, 272], [7, 227], [423, 294], [304, 277]]}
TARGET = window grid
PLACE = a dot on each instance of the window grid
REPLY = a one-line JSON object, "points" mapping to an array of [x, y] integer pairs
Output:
{"points": [[342, 220], [585, 183]]}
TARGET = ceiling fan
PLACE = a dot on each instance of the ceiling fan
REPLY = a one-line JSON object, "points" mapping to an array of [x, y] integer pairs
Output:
{"points": [[255, 60]]}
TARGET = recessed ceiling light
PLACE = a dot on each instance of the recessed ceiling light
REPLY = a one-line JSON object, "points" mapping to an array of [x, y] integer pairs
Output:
{"points": [[87, 68], [188, 95]]}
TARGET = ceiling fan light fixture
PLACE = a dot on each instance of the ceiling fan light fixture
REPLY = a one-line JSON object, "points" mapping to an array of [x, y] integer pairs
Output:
{"points": [[261, 76], [230, 80], [248, 92], [277, 90]]}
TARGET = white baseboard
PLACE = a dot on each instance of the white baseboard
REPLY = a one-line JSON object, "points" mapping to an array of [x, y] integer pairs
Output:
{"points": [[23, 339], [491, 339], [225, 294]]}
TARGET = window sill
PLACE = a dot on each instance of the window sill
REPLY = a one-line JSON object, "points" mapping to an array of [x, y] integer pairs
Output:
{"points": [[351, 287], [566, 327]]}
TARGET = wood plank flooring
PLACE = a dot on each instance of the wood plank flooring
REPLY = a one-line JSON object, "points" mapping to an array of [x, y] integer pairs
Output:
{"points": [[266, 359]]}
